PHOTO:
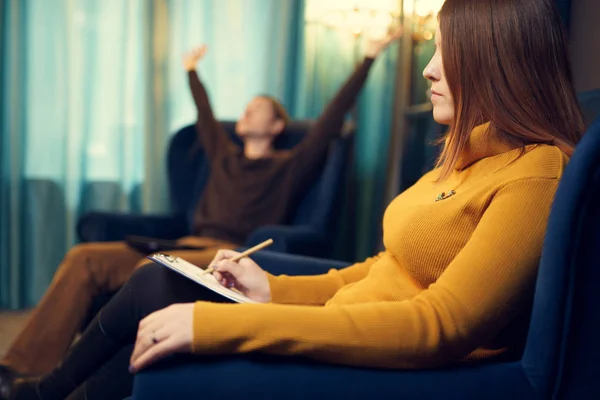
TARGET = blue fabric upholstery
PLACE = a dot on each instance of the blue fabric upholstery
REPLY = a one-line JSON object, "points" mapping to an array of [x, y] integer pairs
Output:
{"points": [[307, 232], [590, 104], [561, 355], [560, 360]]}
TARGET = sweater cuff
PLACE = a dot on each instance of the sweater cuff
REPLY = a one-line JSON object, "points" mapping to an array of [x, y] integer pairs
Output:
{"points": [[282, 290], [217, 327]]}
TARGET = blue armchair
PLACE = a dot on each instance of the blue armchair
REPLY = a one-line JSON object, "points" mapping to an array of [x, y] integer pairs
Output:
{"points": [[307, 232], [590, 104], [560, 359]]}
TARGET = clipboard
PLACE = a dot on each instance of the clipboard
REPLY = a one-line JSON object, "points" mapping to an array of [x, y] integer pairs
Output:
{"points": [[197, 275]]}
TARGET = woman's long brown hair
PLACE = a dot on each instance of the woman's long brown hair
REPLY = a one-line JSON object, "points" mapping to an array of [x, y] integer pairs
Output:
{"points": [[507, 62]]}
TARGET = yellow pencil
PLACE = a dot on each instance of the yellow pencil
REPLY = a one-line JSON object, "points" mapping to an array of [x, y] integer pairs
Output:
{"points": [[246, 253]]}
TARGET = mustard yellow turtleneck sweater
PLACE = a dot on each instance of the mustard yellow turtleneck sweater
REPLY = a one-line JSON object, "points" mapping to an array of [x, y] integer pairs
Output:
{"points": [[452, 283]]}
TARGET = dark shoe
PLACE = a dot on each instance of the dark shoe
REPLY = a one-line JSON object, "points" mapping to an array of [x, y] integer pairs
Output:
{"points": [[7, 378], [23, 389], [16, 386]]}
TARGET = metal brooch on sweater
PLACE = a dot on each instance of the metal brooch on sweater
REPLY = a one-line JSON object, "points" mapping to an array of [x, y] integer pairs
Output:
{"points": [[444, 195]]}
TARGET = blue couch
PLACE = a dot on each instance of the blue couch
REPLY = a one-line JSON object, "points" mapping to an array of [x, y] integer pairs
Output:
{"points": [[308, 232], [560, 360]]}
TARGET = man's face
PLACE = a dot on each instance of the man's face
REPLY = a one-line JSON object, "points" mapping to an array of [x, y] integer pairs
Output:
{"points": [[259, 120]]}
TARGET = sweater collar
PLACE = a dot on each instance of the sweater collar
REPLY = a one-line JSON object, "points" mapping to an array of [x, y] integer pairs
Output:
{"points": [[483, 142]]}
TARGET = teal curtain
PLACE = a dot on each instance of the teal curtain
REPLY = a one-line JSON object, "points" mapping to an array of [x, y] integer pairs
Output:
{"points": [[327, 59], [73, 128], [90, 94], [252, 49]]}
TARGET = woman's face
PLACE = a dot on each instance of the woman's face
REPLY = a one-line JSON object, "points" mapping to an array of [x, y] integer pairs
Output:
{"points": [[441, 98]]}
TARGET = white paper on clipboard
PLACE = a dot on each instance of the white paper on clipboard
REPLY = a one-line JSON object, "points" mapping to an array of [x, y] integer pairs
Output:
{"points": [[196, 274]]}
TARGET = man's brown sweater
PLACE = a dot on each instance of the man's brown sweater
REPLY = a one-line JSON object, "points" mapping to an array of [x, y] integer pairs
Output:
{"points": [[243, 194]]}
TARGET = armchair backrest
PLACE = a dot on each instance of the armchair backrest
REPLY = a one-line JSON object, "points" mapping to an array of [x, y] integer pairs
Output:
{"points": [[590, 104], [562, 352], [188, 171]]}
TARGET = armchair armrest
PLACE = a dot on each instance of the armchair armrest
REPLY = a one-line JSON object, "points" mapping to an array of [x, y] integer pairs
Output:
{"points": [[290, 239], [262, 376], [105, 226], [289, 264]]}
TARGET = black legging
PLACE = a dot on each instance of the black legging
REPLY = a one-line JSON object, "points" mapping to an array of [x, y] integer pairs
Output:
{"points": [[100, 359]]}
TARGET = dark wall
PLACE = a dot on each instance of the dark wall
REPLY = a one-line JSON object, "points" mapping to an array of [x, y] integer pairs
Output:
{"points": [[585, 44]]}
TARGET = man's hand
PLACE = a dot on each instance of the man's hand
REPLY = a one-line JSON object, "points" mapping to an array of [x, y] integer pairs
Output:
{"points": [[191, 59], [376, 46]]}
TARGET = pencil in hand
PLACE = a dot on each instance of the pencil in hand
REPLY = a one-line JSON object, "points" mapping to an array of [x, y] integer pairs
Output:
{"points": [[246, 253]]}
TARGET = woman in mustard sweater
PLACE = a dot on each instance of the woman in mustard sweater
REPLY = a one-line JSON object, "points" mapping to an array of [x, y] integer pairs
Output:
{"points": [[462, 245]]}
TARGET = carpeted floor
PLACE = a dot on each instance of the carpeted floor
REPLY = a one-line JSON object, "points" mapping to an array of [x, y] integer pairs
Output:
{"points": [[10, 325]]}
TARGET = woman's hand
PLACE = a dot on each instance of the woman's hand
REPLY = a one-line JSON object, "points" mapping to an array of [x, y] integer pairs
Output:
{"points": [[376, 46], [191, 59], [244, 275], [162, 333]]}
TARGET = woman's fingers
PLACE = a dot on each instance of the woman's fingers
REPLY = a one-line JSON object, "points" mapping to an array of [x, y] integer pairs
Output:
{"points": [[230, 267], [146, 341], [160, 331], [154, 353], [151, 335], [148, 319], [225, 279], [142, 344], [224, 269], [223, 254], [148, 329]]}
